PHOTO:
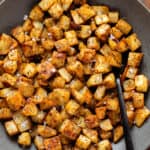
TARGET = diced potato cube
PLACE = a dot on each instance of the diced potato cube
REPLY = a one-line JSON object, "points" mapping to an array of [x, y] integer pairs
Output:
{"points": [[94, 80], [46, 131], [138, 100], [86, 55], [83, 142], [113, 104], [39, 118], [116, 33], [118, 133], [106, 125], [72, 107], [80, 121], [66, 4], [103, 31], [131, 116], [23, 123], [64, 140], [131, 72], [101, 9], [113, 16], [129, 85], [134, 59], [53, 143], [65, 74], [71, 37], [56, 10], [76, 84], [86, 12], [3, 103], [127, 95], [36, 14], [11, 100], [64, 22], [133, 42], [5, 113], [10, 66], [39, 142], [100, 92], [141, 115], [56, 32], [8, 79], [62, 45], [101, 19], [53, 118], [141, 83], [46, 4], [91, 134], [105, 134], [76, 17], [30, 109], [24, 139], [129, 105], [91, 121], [11, 128], [69, 129], [100, 112], [5, 92], [88, 68], [85, 32], [104, 145], [123, 26], [14, 55], [48, 44], [27, 25], [93, 43], [110, 81]]}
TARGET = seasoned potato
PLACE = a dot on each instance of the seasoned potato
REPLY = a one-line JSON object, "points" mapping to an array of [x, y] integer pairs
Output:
{"points": [[64, 22], [24, 139], [69, 129], [106, 125], [101, 19], [76, 17], [91, 121], [8, 79], [104, 145], [65, 74], [131, 72], [100, 92], [138, 100], [110, 81], [39, 117], [128, 95], [93, 43], [101, 9], [118, 133], [39, 142], [48, 44], [141, 83], [133, 42], [113, 16], [116, 32], [129, 85], [53, 143], [105, 135], [100, 112], [5, 113], [83, 142], [85, 32], [27, 25], [76, 84], [123, 26], [130, 115], [46, 4], [10, 66], [66, 4], [11, 128]]}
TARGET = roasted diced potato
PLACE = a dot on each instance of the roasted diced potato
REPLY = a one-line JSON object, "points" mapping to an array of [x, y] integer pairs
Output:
{"points": [[3, 103], [129, 85], [138, 100], [106, 125], [56, 10], [24, 139], [53, 143], [141, 83], [118, 133], [10, 66], [86, 55], [76, 17], [94, 80], [66, 4], [123, 26], [113, 16], [36, 14], [101, 19], [76, 84], [8, 79], [91, 134], [46, 4], [64, 22], [100, 112], [83, 142], [65, 74], [48, 44], [56, 32], [93, 25], [112, 43], [46, 131], [64, 140], [5, 92], [100, 92], [69, 129], [116, 32], [131, 72], [91, 121], [128, 95], [93, 43], [110, 81], [133, 42], [104, 145], [131, 116], [23, 123], [14, 55], [85, 32], [141, 115], [39, 142], [134, 59], [88, 68], [11, 128], [80, 2], [27, 25], [129, 105], [53, 118], [62, 45], [113, 104], [5, 113], [103, 31], [80, 121], [101, 65], [105, 134], [86, 12]]}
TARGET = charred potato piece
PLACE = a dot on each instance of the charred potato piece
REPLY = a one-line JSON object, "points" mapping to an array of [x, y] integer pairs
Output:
{"points": [[10, 66], [91, 121], [46, 4], [66, 4], [64, 22]]}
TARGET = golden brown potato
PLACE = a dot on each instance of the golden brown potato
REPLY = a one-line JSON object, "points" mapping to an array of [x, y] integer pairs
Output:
{"points": [[83, 142], [141, 83], [5, 113], [69, 129], [76, 84], [104, 145], [138, 100], [100, 112], [112, 43], [116, 32], [129, 85], [105, 135], [113, 16], [118, 133], [48, 44], [106, 125], [11, 128], [76, 17], [91, 121], [64, 22], [131, 72], [101, 19], [110, 81], [101, 9], [123, 26], [3, 103], [24, 139], [65, 74], [46, 4], [85, 32], [66, 4], [8, 79], [53, 143], [93, 43], [39, 142]]}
